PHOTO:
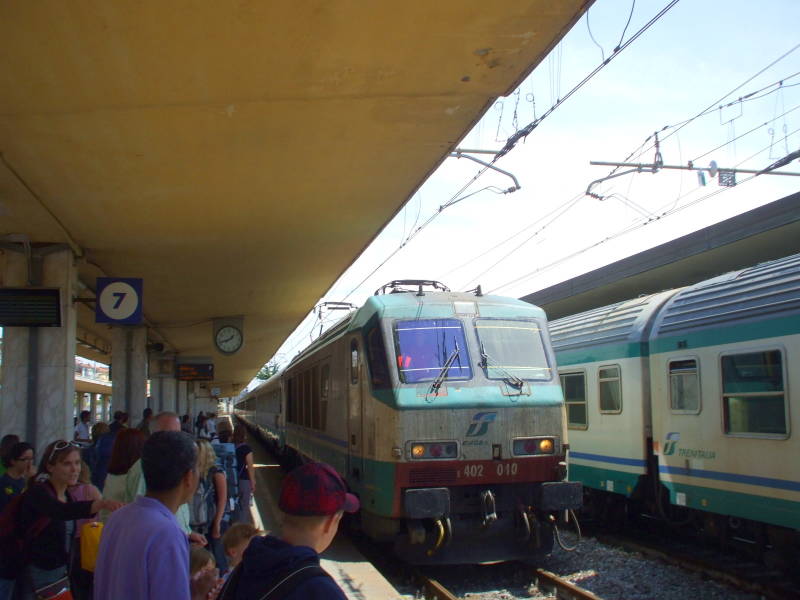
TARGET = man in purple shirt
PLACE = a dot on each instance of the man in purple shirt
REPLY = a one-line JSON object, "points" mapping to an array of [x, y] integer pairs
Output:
{"points": [[144, 554]]}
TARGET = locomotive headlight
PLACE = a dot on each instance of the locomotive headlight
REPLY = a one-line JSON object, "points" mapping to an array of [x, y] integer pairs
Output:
{"points": [[434, 450], [534, 446]]}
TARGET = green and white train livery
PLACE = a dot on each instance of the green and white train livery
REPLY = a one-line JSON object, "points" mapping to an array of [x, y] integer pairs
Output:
{"points": [[443, 412], [690, 395]]}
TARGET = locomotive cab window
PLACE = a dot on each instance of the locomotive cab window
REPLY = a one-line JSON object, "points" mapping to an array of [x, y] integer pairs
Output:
{"points": [[429, 348], [753, 398], [610, 384], [512, 348], [684, 386], [574, 386]]}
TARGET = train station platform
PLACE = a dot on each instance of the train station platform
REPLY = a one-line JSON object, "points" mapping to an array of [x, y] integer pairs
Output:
{"points": [[355, 574]]}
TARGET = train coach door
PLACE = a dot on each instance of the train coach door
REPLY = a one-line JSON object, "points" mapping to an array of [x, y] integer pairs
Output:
{"points": [[355, 413]]}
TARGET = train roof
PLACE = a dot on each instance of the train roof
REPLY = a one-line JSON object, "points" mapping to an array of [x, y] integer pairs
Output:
{"points": [[620, 323], [407, 305], [769, 290]]}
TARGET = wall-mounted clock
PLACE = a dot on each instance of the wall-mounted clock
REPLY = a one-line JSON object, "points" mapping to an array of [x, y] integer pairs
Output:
{"points": [[228, 339]]}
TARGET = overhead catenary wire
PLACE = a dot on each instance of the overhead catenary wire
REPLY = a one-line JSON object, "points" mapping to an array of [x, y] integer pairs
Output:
{"points": [[638, 224], [711, 109], [714, 106], [526, 131]]}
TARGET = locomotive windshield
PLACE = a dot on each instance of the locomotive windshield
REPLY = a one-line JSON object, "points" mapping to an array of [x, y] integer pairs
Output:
{"points": [[512, 349], [424, 346]]}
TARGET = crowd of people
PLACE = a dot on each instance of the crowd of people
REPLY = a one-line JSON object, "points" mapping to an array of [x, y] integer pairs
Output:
{"points": [[159, 511]]}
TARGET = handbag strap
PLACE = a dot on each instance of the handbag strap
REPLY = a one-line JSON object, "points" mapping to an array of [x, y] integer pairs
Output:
{"points": [[278, 589]]}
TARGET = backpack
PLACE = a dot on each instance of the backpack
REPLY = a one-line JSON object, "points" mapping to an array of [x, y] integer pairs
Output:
{"points": [[203, 496], [13, 548], [277, 587], [226, 460]]}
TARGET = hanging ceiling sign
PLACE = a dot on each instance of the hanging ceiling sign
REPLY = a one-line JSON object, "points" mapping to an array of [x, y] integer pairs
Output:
{"points": [[119, 300], [30, 307]]}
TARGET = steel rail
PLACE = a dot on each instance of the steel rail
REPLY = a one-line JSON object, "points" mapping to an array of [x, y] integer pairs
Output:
{"points": [[563, 589], [433, 590]]}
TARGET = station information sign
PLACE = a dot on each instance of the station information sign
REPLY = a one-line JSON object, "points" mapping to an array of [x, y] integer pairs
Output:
{"points": [[30, 307], [196, 372]]}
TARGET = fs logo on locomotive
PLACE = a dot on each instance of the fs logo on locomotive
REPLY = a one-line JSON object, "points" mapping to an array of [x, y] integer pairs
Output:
{"points": [[480, 424]]}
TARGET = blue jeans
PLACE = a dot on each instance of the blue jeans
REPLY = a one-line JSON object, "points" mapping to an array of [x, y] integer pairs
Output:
{"points": [[40, 579], [7, 588]]}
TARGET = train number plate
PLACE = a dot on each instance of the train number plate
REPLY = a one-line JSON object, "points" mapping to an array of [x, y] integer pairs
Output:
{"points": [[480, 471]]}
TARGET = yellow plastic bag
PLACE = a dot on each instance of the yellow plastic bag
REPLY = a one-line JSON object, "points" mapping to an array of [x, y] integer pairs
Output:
{"points": [[90, 544]]}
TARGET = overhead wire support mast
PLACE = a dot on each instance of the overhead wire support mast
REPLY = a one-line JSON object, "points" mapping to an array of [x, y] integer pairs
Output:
{"points": [[459, 153], [655, 167]]}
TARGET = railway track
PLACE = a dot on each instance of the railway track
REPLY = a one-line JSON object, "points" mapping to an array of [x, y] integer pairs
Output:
{"points": [[744, 576], [545, 581], [561, 588]]}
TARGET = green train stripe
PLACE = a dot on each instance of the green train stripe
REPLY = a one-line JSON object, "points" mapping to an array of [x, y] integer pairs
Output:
{"points": [[593, 477], [718, 336], [601, 353], [777, 511], [376, 486], [742, 332]]}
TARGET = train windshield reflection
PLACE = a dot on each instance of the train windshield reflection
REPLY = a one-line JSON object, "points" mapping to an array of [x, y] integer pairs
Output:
{"points": [[424, 345], [514, 348]]}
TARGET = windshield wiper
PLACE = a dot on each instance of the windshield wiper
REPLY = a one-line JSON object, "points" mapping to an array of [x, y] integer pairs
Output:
{"points": [[437, 383], [509, 378]]}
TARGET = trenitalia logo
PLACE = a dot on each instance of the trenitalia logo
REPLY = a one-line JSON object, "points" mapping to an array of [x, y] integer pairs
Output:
{"points": [[671, 442], [480, 424]]}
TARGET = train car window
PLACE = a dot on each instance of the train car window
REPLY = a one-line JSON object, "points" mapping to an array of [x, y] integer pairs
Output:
{"points": [[512, 347], [315, 398], [307, 399], [753, 396], [574, 386], [610, 389], [291, 410], [425, 346], [376, 358], [684, 386], [353, 362], [325, 381]]}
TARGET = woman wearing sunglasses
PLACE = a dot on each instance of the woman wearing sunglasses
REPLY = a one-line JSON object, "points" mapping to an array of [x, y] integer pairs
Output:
{"points": [[47, 516]]}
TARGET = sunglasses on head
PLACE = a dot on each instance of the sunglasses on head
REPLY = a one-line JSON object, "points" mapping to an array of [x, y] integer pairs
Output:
{"points": [[58, 446]]}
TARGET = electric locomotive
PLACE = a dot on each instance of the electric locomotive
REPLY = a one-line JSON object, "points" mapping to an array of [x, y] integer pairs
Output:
{"points": [[443, 412]]}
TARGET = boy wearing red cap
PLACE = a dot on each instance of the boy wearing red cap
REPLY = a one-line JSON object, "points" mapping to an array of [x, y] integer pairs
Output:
{"points": [[313, 499]]}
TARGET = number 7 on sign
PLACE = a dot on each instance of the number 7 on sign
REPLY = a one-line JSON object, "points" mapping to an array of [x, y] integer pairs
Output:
{"points": [[120, 296]]}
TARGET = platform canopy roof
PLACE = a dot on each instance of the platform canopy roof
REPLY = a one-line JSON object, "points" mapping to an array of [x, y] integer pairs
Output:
{"points": [[239, 155]]}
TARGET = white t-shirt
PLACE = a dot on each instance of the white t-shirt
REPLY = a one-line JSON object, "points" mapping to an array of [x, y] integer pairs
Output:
{"points": [[82, 431]]}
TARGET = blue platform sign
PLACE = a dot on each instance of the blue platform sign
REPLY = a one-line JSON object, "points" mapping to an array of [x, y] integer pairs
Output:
{"points": [[119, 300]]}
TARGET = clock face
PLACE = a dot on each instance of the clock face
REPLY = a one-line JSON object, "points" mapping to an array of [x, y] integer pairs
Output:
{"points": [[228, 339]]}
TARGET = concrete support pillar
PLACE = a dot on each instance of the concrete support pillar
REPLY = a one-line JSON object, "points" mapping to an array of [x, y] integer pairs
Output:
{"points": [[38, 381], [182, 401], [164, 391], [107, 408], [93, 408], [191, 409], [129, 370]]}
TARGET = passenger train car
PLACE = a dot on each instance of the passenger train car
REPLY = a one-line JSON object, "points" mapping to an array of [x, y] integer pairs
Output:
{"points": [[688, 400], [442, 411]]}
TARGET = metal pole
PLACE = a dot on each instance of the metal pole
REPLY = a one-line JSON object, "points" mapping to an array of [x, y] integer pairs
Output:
{"points": [[651, 167], [128, 369]]}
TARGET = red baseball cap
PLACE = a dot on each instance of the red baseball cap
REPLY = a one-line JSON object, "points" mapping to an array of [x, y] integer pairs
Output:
{"points": [[315, 489]]}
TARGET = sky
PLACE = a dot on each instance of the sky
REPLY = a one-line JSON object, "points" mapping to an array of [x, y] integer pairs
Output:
{"points": [[702, 54]]}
